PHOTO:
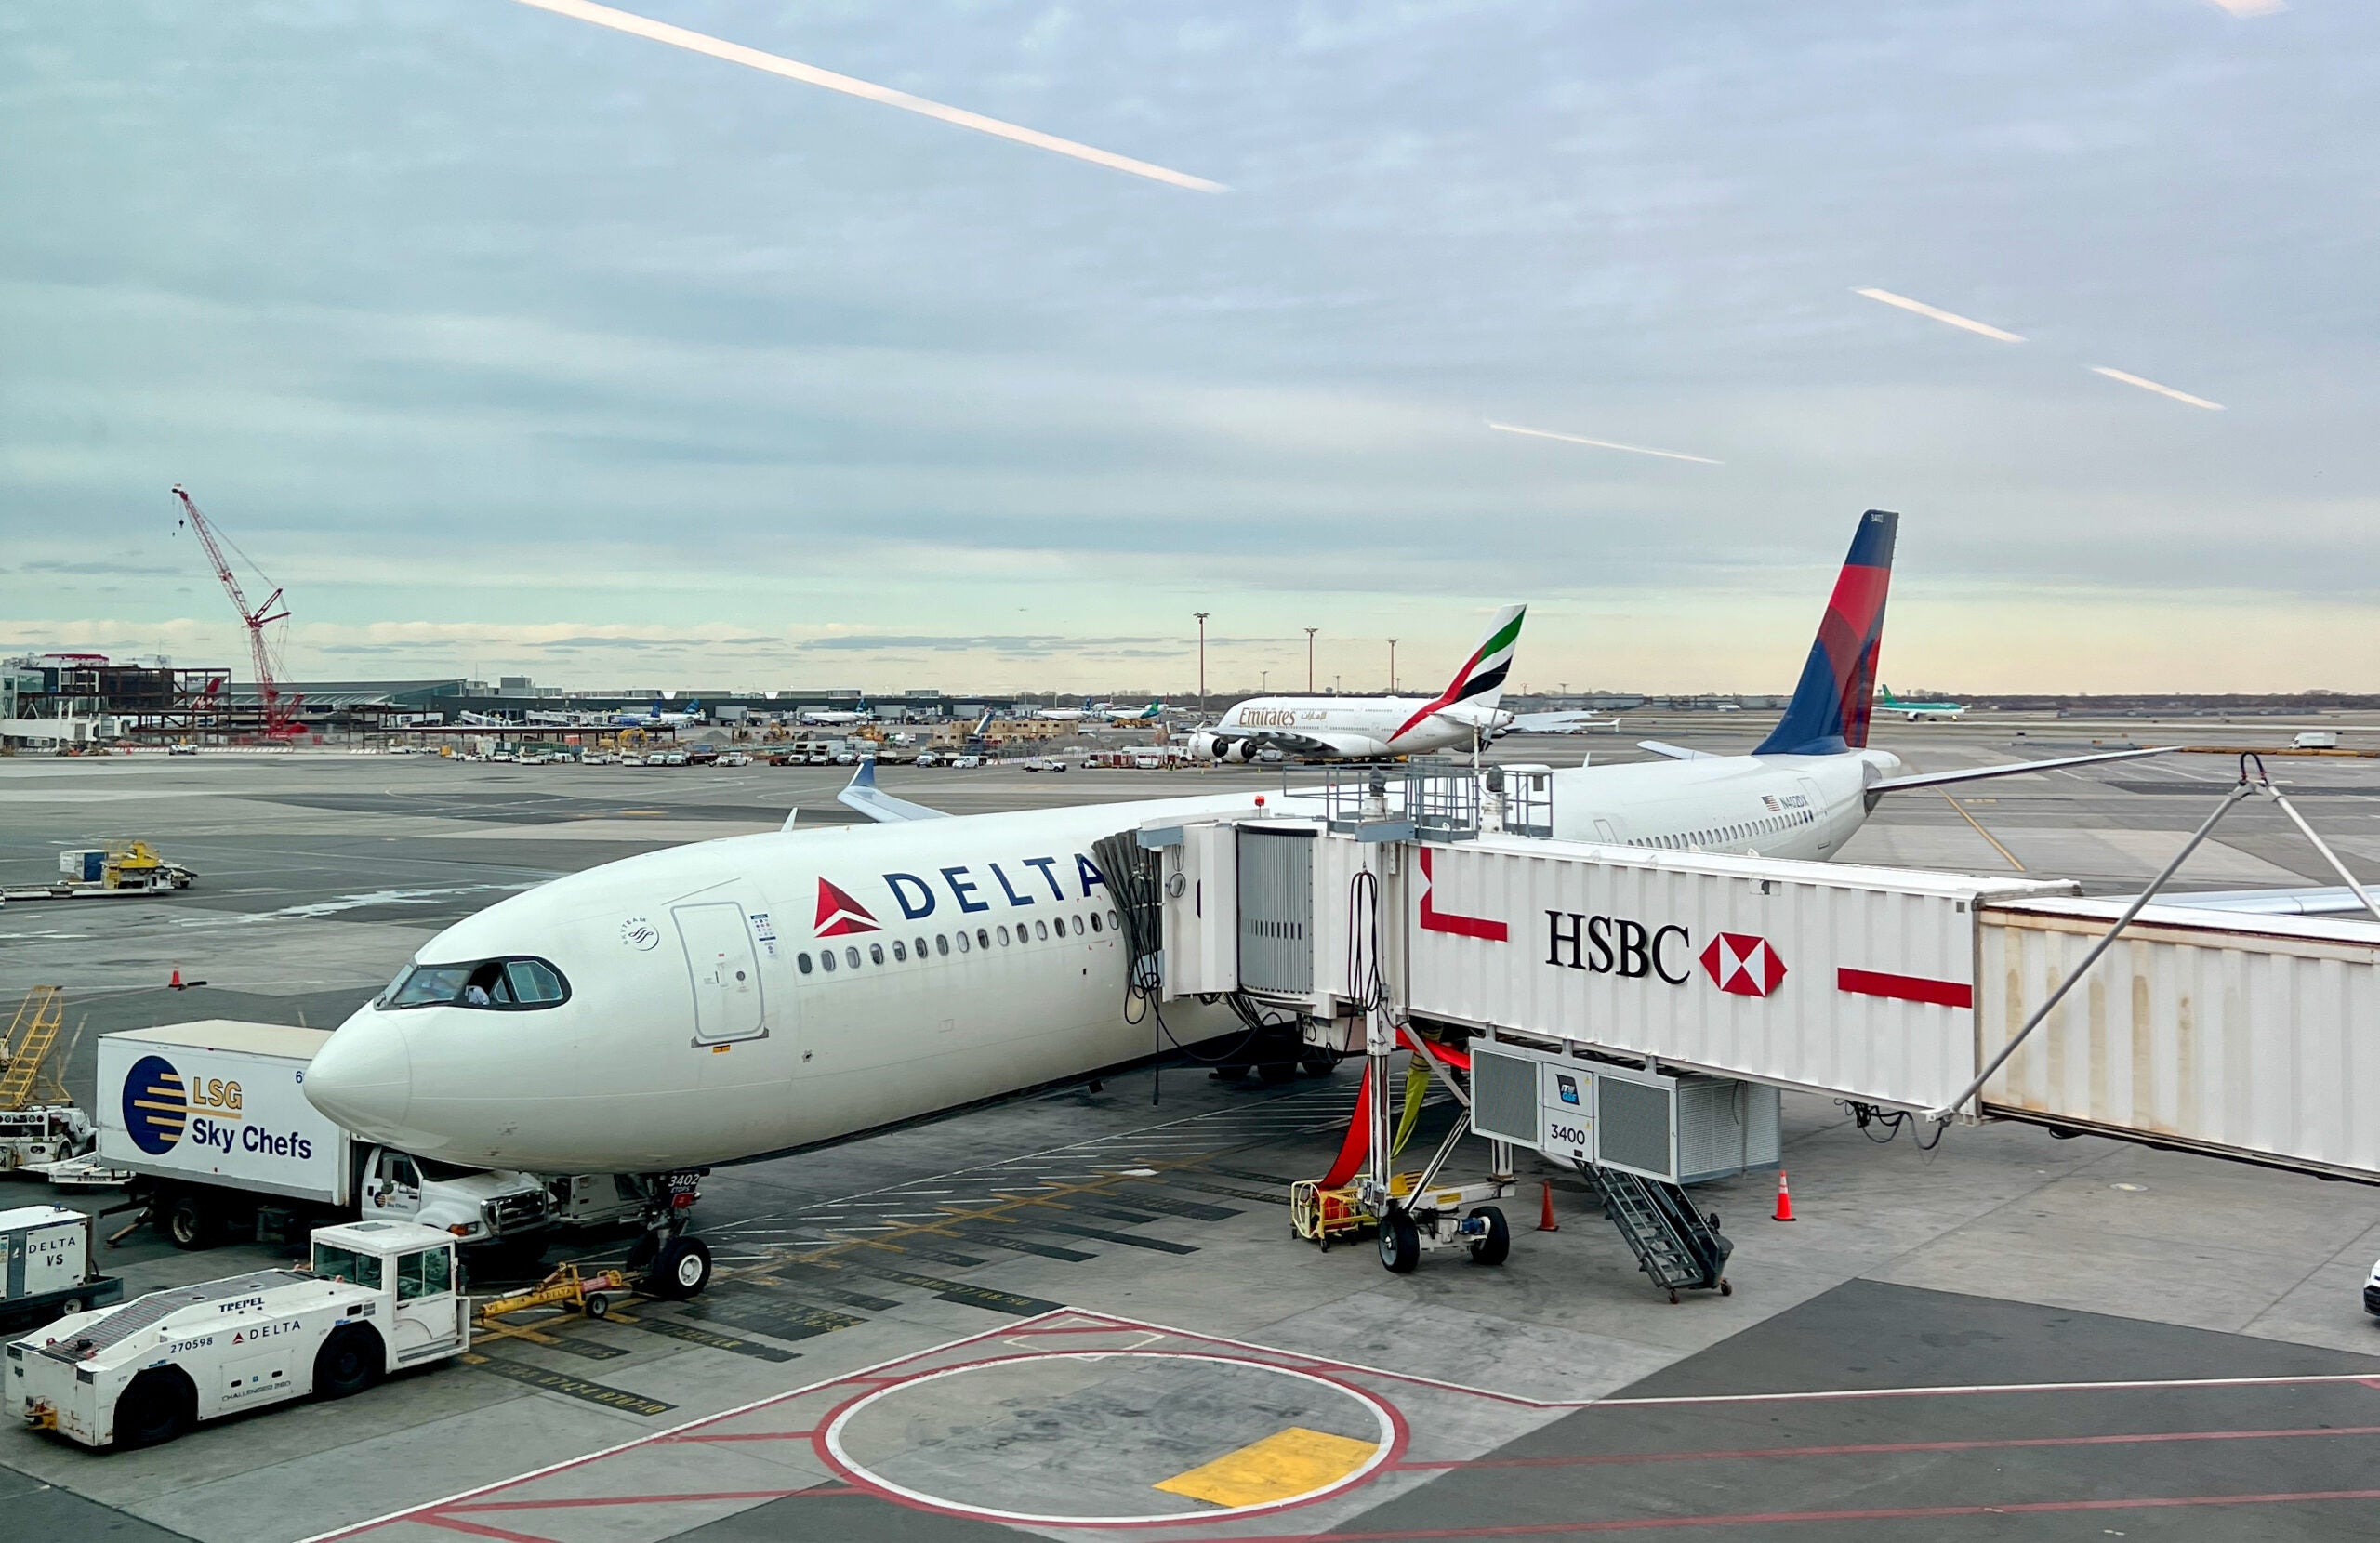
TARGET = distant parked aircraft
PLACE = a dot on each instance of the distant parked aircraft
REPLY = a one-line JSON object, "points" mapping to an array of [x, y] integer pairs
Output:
{"points": [[1913, 711]]}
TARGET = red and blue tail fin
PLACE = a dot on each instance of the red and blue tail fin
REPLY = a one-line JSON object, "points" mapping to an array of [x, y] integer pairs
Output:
{"points": [[1829, 713]]}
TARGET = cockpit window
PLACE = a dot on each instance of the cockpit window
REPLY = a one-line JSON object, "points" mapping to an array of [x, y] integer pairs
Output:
{"points": [[515, 985]]}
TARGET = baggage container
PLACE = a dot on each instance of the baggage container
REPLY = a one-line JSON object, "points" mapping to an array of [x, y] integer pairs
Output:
{"points": [[2244, 1035], [46, 1265]]}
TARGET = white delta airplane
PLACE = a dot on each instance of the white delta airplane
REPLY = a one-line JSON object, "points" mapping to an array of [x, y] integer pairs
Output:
{"points": [[742, 997]]}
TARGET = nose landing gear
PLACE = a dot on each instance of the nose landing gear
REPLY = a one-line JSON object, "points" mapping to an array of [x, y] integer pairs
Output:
{"points": [[670, 1264]]}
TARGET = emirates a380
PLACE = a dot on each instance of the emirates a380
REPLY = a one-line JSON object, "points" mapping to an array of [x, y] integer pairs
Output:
{"points": [[745, 997]]}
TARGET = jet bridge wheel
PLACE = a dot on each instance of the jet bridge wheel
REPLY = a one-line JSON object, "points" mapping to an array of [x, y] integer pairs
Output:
{"points": [[1495, 1246], [1400, 1241]]}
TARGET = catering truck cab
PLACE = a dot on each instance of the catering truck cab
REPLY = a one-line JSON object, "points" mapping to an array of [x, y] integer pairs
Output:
{"points": [[376, 1296]]}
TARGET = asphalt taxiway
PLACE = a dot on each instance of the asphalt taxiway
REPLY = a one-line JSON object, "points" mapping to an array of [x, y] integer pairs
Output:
{"points": [[1078, 1312]]}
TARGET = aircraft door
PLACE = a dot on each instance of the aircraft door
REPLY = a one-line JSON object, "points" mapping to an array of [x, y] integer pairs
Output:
{"points": [[725, 969], [1605, 833], [1819, 809]]}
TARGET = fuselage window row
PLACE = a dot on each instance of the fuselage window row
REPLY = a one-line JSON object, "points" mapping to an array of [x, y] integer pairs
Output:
{"points": [[827, 963]]}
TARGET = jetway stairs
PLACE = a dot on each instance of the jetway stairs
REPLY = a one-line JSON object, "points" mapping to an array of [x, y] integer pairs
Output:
{"points": [[1679, 1248]]}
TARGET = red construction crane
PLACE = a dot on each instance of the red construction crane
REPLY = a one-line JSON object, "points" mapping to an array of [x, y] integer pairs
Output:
{"points": [[279, 716]]}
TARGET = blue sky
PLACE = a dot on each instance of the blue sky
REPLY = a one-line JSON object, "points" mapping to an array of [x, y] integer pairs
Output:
{"points": [[512, 343]]}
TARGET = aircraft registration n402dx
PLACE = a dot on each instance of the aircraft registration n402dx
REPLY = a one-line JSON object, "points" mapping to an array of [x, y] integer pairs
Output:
{"points": [[743, 996]]}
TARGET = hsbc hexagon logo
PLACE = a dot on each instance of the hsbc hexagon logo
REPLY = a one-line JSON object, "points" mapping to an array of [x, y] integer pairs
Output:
{"points": [[1742, 965]]}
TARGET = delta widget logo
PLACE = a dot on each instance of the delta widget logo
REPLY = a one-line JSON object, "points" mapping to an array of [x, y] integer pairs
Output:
{"points": [[839, 915], [157, 1105]]}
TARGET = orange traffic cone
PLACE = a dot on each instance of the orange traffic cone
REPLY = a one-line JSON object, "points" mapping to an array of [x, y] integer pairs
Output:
{"points": [[1784, 1199], [175, 984], [1545, 1222]]}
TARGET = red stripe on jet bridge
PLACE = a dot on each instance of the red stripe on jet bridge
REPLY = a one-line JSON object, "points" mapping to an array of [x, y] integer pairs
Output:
{"points": [[1904, 988]]}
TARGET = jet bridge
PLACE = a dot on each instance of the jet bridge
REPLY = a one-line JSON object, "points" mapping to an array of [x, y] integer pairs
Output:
{"points": [[1637, 1012]]}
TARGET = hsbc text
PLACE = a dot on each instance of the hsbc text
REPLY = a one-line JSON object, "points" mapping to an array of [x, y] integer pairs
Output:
{"points": [[1615, 945]]}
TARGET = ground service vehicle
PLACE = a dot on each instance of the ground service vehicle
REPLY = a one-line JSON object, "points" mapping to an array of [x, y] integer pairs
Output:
{"points": [[377, 1297], [212, 1119], [46, 1265]]}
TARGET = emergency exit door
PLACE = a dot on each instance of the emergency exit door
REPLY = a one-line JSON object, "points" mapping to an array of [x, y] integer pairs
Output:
{"points": [[726, 971]]}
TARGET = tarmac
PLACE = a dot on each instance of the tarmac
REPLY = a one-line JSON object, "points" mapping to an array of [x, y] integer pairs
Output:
{"points": [[1080, 1311]]}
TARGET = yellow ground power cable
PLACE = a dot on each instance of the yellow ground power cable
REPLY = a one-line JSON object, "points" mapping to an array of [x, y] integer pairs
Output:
{"points": [[1417, 1086]]}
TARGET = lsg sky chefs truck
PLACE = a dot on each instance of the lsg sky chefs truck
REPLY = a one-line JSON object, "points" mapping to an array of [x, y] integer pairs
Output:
{"points": [[212, 1119]]}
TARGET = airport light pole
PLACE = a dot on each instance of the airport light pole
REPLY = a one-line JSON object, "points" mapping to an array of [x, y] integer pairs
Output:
{"points": [[1392, 667], [1309, 659], [1202, 616]]}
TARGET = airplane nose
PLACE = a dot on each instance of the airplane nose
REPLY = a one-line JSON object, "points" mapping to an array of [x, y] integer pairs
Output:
{"points": [[363, 1076]]}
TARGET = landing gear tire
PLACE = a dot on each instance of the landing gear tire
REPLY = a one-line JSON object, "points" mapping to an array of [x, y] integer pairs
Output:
{"points": [[191, 1222], [349, 1362], [680, 1269], [1400, 1243], [157, 1407], [1495, 1246]]}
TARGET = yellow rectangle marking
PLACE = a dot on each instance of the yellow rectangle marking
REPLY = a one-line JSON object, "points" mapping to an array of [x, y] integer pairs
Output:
{"points": [[1282, 1466]]}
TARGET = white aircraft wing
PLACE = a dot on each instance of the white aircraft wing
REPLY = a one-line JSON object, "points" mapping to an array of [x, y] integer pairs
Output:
{"points": [[1975, 773], [1674, 752], [862, 793], [1557, 723]]}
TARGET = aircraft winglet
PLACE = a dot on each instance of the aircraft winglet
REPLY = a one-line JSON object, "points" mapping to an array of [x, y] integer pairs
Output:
{"points": [[863, 794]]}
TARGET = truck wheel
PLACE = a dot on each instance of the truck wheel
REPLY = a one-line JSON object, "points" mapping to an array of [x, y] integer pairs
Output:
{"points": [[1495, 1246], [68, 1306], [680, 1269], [159, 1405], [191, 1222], [350, 1361]]}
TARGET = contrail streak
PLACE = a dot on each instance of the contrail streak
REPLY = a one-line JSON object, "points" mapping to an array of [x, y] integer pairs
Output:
{"points": [[1603, 444], [2131, 380], [1951, 317], [810, 74]]}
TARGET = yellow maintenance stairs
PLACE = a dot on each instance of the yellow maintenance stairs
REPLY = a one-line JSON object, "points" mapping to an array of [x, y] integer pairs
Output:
{"points": [[26, 1047]]}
